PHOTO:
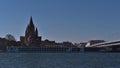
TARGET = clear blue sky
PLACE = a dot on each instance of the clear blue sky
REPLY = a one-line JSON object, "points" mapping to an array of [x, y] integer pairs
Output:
{"points": [[62, 20]]}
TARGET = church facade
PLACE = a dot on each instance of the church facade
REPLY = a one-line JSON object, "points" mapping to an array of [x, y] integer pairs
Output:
{"points": [[31, 37]]}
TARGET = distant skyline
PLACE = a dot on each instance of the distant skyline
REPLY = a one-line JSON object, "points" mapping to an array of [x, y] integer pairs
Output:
{"points": [[62, 20]]}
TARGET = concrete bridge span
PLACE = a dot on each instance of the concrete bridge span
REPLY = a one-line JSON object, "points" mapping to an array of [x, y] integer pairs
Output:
{"points": [[108, 46]]}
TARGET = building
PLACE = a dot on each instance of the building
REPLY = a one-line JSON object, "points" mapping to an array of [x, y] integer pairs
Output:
{"points": [[31, 37], [32, 42], [82, 44]]}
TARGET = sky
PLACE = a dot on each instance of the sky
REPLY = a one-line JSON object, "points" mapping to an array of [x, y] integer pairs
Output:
{"points": [[62, 20]]}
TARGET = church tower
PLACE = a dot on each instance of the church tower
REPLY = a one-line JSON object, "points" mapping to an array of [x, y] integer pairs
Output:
{"points": [[30, 30], [31, 35], [36, 32]]}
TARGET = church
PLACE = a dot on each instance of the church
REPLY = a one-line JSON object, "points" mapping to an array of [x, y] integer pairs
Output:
{"points": [[31, 37]]}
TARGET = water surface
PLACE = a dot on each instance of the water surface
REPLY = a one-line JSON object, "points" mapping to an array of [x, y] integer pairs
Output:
{"points": [[59, 60]]}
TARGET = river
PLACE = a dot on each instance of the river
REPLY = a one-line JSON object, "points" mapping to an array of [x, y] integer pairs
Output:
{"points": [[59, 60]]}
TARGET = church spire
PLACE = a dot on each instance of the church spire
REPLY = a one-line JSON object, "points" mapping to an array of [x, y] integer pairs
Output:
{"points": [[31, 22], [36, 31], [30, 30]]}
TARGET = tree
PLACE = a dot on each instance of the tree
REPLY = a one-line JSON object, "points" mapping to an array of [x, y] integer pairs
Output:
{"points": [[10, 37]]}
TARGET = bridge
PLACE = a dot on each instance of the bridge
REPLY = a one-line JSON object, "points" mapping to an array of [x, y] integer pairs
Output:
{"points": [[108, 46]]}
